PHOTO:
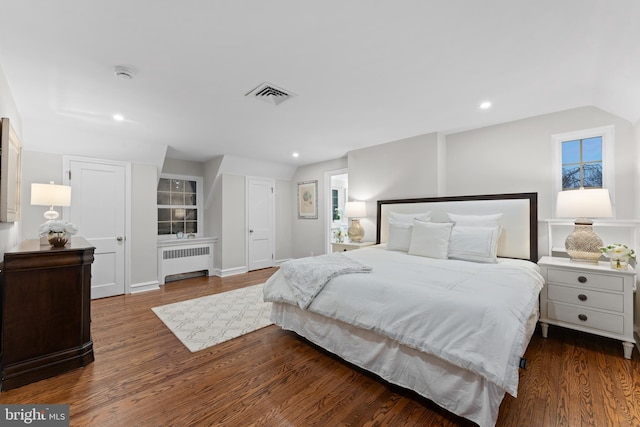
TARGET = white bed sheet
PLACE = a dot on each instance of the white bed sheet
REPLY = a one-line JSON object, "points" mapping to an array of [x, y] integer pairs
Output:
{"points": [[470, 314], [457, 385], [458, 390]]}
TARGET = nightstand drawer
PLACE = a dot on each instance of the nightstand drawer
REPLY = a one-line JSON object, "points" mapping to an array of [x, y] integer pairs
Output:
{"points": [[586, 297], [586, 318], [584, 278]]}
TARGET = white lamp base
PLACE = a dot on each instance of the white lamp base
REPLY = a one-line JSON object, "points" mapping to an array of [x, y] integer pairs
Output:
{"points": [[583, 244], [355, 232]]}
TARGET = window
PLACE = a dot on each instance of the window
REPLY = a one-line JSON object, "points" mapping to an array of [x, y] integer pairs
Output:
{"points": [[335, 205], [582, 163], [584, 159], [179, 201]]}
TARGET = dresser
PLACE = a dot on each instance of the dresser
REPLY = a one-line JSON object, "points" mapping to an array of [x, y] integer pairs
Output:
{"points": [[46, 311], [592, 298], [349, 246]]}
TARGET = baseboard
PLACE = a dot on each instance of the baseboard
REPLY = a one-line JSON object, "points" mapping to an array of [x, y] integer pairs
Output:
{"points": [[144, 287], [231, 271], [279, 262]]}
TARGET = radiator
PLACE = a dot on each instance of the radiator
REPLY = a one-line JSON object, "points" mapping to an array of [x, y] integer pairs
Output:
{"points": [[184, 257]]}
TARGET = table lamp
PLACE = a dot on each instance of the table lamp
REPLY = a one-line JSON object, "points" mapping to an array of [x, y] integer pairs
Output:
{"points": [[355, 211]]}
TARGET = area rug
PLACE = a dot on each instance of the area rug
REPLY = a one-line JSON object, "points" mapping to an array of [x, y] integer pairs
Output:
{"points": [[202, 322]]}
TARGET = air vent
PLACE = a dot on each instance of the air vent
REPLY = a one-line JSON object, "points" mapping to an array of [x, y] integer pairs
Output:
{"points": [[270, 93]]}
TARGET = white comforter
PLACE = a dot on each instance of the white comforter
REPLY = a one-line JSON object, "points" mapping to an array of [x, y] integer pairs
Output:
{"points": [[470, 314]]}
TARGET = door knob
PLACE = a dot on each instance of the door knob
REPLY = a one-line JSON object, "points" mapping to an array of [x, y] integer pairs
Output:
{"points": [[119, 238], [250, 231]]}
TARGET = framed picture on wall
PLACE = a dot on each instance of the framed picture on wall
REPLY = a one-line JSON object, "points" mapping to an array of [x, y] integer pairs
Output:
{"points": [[10, 172], [308, 200]]}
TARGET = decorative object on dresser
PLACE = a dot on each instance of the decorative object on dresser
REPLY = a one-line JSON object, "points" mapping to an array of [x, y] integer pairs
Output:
{"points": [[583, 244], [46, 311], [619, 255], [591, 298], [355, 211], [57, 232], [343, 247]]}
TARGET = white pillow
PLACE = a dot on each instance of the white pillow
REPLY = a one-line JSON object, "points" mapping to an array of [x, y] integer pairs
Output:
{"points": [[408, 218], [476, 220], [479, 244], [399, 236], [430, 239]]}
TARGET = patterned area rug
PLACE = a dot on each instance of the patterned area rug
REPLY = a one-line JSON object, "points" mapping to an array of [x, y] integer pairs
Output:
{"points": [[202, 322]]}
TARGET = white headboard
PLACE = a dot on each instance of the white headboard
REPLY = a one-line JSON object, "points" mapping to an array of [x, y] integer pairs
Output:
{"points": [[519, 237]]}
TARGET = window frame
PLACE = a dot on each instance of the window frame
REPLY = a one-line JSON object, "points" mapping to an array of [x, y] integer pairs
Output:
{"points": [[607, 133], [198, 206]]}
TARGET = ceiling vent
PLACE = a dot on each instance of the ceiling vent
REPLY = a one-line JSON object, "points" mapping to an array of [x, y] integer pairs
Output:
{"points": [[270, 93]]}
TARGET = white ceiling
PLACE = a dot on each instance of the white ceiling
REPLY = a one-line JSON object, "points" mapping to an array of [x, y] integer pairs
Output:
{"points": [[364, 72]]}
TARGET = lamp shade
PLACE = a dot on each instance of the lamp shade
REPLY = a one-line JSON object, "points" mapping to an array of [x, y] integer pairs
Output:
{"points": [[584, 203], [355, 210], [50, 194]]}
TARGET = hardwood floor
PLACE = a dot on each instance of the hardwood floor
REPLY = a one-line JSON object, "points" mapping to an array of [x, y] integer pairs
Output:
{"points": [[143, 376]]}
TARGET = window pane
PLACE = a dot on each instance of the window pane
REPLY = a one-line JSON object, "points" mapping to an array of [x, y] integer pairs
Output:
{"points": [[177, 214], [570, 177], [177, 226], [164, 198], [189, 186], [191, 227], [164, 214], [592, 149], [592, 175], [177, 199], [164, 228], [190, 199], [191, 214], [164, 184], [177, 185], [570, 152]]}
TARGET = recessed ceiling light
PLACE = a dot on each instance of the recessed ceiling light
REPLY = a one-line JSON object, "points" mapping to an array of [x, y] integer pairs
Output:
{"points": [[118, 117], [485, 105], [296, 155]]}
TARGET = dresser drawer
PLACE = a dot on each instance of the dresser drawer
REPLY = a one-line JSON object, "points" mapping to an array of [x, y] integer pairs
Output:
{"points": [[586, 318], [586, 297], [583, 279]]}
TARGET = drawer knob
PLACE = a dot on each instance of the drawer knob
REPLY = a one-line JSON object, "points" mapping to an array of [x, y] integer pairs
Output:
{"points": [[582, 317], [582, 297], [582, 279]]}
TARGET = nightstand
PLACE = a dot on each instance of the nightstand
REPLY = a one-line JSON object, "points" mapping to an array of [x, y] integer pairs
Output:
{"points": [[342, 247], [592, 298]]}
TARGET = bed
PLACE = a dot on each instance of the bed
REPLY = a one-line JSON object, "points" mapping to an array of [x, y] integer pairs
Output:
{"points": [[444, 304]]}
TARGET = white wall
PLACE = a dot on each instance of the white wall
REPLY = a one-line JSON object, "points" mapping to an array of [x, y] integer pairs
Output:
{"points": [[507, 158], [144, 220], [517, 157], [308, 235]]}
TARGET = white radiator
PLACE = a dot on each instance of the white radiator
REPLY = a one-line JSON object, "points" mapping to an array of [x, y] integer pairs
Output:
{"points": [[185, 256]]}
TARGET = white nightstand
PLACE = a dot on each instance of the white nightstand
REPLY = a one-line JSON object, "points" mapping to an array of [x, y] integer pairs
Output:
{"points": [[341, 247], [592, 298]]}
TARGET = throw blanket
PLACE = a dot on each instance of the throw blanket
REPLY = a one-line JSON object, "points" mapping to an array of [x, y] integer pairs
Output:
{"points": [[307, 276], [473, 315]]}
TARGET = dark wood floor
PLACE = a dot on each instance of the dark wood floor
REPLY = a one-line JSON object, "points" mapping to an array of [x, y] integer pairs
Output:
{"points": [[143, 376]]}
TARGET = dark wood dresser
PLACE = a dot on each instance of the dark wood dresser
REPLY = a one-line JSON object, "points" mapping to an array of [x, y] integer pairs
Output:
{"points": [[46, 311]]}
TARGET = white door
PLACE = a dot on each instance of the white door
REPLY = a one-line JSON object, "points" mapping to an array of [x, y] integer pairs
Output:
{"points": [[260, 216], [98, 210]]}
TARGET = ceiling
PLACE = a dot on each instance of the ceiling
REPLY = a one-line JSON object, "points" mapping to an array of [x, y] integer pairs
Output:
{"points": [[362, 72]]}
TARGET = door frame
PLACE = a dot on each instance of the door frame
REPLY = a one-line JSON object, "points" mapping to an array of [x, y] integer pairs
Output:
{"points": [[329, 214], [66, 160], [246, 218]]}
